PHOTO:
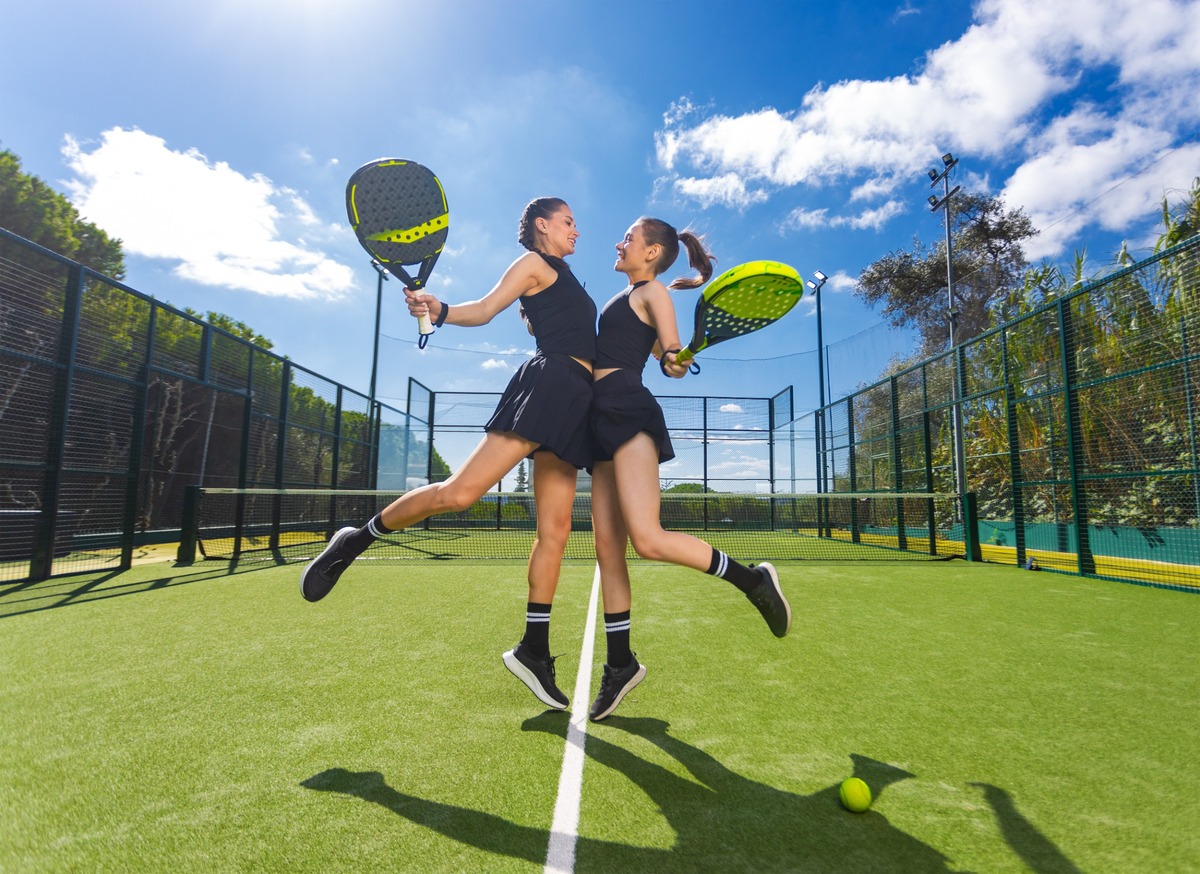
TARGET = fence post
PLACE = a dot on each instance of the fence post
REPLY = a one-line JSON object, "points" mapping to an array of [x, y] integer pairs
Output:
{"points": [[970, 511], [1014, 453], [45, 532], [1086, 561], [186, 554]]}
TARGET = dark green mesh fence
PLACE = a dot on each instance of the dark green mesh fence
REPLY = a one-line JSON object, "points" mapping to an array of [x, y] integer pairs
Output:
{"points": [[1079, 428]]}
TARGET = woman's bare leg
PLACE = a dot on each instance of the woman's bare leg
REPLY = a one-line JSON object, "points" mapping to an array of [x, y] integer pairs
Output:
{"points": [[638, 491], [497, 454], [554, 497], [611, 536]]}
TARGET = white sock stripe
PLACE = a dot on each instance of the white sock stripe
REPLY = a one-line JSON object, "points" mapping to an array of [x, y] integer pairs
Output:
{"points": [[374, 529], [622, 625], [722, 563], [537, 617]]}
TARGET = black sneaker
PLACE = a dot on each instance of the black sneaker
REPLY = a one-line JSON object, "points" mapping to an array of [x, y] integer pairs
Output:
{"points": [[614, 683], [769, 599], [322, 572], [537, 674]]}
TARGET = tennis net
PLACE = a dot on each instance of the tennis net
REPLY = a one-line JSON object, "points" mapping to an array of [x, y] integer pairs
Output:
{"points": [[293, 525]]}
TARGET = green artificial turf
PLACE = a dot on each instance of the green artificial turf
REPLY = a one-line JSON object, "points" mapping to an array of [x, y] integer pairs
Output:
{"points": [[195, 719]]}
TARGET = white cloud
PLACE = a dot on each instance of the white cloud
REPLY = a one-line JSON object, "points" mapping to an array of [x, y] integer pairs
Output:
{"points": [[728, 189], [873, 219], [1018, 86], [220, 227]]}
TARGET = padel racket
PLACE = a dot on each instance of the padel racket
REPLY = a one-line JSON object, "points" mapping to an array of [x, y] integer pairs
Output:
{"points": [[741, 301], [399, 214]]}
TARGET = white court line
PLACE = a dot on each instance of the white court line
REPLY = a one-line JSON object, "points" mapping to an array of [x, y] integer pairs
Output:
{"points": [[564, 831]]}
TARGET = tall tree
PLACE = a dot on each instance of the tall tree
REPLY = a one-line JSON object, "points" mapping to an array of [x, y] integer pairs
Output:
{"points": [[910, 286], [31, 208]]}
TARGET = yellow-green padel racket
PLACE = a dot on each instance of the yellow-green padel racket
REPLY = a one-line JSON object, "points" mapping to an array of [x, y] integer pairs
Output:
{"points": [[399, 214], [741, 301]]}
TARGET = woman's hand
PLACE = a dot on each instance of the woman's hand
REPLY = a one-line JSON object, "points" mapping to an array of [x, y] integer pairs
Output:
{"points": [[422, 303], [671, 367]]}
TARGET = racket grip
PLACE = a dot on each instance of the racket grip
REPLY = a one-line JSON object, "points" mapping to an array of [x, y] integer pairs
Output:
{"points": [[684, 355], [424, 325]]}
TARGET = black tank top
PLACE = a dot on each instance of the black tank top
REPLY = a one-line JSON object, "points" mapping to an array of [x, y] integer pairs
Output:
{"points": [[563, 316], [624, 340]]}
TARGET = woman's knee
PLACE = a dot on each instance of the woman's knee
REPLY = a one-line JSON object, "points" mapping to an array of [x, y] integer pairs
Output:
{"points": [[649, 544], [452, 497], [554, 530]]}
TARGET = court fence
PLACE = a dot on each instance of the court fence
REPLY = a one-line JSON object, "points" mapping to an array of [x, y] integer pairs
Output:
{"points": [[1074, 425], [293, 525], [112, 403]]}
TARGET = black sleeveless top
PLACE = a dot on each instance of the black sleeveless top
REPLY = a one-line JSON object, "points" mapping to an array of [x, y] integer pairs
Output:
{"points": [[624, 340], [563, 316]]}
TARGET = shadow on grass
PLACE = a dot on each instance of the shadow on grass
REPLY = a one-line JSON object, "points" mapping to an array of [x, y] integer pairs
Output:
{"points": [[1034, 848], [721, 820], [31, 597]]}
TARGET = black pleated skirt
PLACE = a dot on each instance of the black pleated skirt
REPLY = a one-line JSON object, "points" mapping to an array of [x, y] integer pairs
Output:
{"points": [[547, 401], [622, 408]]}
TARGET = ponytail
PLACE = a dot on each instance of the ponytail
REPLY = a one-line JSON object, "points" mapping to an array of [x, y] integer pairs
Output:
{"points": [[699, 258], [658, 232]]}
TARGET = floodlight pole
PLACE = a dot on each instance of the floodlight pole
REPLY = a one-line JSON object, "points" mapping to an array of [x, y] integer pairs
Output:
{"points": [[820, 422], [816, 287], [949, 162]]}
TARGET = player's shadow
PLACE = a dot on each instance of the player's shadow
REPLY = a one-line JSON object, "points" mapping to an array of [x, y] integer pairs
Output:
{"points": [[1034, 848], [721, 820], [724, 821]]}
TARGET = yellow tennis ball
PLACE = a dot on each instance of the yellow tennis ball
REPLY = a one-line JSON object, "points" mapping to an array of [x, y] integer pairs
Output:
{"points": [[855, 795]]}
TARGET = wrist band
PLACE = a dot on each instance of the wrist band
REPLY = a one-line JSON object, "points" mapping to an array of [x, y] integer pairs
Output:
{"points": [[662, 361], [441, 319]]}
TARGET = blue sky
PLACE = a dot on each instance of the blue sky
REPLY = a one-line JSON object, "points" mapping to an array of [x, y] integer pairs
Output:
{"points": [[216, 140]]}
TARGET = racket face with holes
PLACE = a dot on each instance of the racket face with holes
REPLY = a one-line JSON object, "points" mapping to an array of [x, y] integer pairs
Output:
{"points": [[399, 214], [743, 300]]}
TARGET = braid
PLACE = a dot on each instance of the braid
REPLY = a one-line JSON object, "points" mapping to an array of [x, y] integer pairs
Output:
{"points": [[542, 207]]}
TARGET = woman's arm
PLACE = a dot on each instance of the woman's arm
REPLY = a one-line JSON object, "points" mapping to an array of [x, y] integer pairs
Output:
{"points": [[528, 274], [654, 305]]}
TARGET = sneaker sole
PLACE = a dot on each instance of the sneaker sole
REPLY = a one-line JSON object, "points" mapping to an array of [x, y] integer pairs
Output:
{"points": [[782, 597], [629, 687], [526, 676], [340, 535]]}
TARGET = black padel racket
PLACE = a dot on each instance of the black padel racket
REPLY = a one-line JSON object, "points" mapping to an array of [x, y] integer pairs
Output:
{"points": [[399, 214], [741, 301]]}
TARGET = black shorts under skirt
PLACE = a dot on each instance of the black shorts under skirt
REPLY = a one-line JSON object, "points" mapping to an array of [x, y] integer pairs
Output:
{"points": [[547, 401], [621, 409]]}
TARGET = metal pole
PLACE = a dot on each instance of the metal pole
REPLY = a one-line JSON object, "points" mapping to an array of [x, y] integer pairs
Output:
{"points": [[956, 418], [820, 422], [949, 162], [372, 445], [378, 311]]}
